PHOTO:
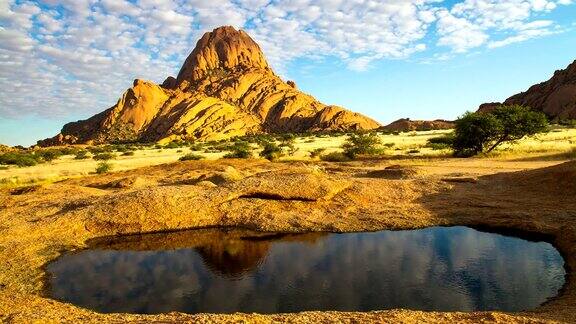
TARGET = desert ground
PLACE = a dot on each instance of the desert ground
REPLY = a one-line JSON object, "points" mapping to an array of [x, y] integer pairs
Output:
{"points": [[527, 189]]}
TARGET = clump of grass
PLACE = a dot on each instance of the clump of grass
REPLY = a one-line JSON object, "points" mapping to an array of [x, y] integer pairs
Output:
{"points": [[104, 156], [413, 151], [191, 157], [128, 153], [103, 167], [335, 157]]}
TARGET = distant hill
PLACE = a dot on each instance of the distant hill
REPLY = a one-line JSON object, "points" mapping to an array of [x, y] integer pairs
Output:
{"points": [[555, 97], [406, 124], [225, 88]]}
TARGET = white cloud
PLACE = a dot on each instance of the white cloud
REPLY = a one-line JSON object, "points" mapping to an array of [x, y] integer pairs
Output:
{"points": [[75, 57]]}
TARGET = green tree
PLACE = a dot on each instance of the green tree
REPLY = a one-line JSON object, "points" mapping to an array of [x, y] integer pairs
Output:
{"points": [[361, 144], [479, 132]]}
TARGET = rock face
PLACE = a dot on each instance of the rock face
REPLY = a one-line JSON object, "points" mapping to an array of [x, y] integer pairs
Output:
{"points": [[405, 124], [555, 97], [225, 88]]}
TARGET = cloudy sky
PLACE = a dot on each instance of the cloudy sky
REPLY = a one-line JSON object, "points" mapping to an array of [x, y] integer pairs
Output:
{"points": [[63, 60]]}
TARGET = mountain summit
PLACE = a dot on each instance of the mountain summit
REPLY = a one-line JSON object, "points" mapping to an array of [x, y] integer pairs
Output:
{"points": [[225, 88], [555, 97]]}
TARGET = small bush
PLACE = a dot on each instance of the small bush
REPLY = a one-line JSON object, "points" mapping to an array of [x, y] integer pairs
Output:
{"points": [[389, 145], [81, 155], [335, 157], [104, 156], [48, 155], [103, 167], [196, 147], [271, 151], [239, 150], [413, 151], [128, 153], [362, 144], [441, 143], [191, 157], [317, 152]]}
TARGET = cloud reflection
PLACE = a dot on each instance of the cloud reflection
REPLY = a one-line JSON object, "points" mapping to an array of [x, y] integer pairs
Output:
{"points": [[444, 269]]}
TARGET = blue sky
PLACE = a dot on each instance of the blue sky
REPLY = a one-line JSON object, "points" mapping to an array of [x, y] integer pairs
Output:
{"points": [[63, 60]]}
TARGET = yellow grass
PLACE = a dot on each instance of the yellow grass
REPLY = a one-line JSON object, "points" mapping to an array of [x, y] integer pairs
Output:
{"points": [[558, 144]]}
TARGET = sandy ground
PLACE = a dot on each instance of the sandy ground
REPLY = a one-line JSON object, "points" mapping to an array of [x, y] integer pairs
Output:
{"points": [[37, 224]]}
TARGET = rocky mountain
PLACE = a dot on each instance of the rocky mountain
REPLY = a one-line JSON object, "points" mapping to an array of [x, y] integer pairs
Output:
{"points": [[406, 124], [225, 88], [555, 97]]}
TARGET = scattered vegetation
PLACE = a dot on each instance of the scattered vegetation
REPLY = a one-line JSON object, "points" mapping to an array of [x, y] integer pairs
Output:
{"points": [[191, 157], [239, 150], [335, 157], [477, 132], [271, 151], [104, 156], [81, 155], [317, 152]]}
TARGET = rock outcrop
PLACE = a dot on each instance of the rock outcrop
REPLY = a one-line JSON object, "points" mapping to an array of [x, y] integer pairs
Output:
{"points": [[555, 97], [405, 124], [225, 88]]}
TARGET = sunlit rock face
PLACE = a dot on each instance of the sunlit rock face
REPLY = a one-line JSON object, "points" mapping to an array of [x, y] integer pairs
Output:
{"points": [[225, 88], [555, 97]]}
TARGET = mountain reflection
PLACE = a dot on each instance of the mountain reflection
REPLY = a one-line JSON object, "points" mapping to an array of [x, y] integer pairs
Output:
{"points": [[225, 271]]}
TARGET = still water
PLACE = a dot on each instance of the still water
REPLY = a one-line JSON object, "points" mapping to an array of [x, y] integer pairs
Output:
{"points": [[224, 271]]}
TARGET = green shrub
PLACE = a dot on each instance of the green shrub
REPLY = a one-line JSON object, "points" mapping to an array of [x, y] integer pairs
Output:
{"points": [[361, 144], [103, 167], [483, 132], [196, 147], [239, 150], [191, 157], [100, 149], [21, 159], [128, 153], [335, 157], [81, 155], [441, 143], [104, 156], [317, 152], [48, 155], [174, 144], [271, 151]]}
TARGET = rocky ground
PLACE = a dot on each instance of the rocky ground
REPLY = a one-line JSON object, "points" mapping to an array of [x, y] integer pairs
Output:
{"points": [[39, 223]]}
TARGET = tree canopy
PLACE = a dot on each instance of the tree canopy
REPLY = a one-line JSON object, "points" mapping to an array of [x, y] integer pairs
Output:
{"points": [[477, 132]]}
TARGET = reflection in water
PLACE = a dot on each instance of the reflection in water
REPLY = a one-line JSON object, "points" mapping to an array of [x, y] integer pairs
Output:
{"points": [[225, 271]]}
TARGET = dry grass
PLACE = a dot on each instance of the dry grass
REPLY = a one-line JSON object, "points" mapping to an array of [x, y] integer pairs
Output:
{"points": [[559, 144]]}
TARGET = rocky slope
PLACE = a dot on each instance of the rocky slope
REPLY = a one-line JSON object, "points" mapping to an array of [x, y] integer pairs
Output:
{"points": [[406, 124], [225, 88], [555, 97]]}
